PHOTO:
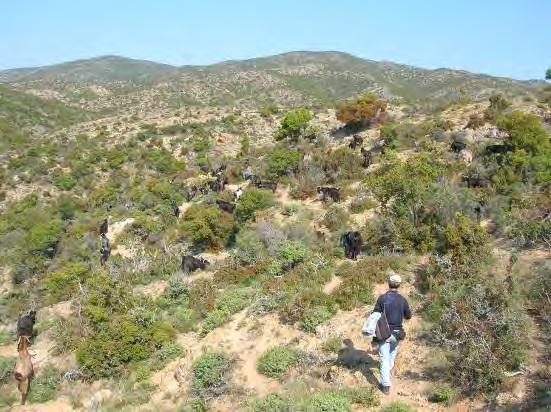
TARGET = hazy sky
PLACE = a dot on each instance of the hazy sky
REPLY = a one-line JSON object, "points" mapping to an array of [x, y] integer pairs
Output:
{"points": [[500, 37]]}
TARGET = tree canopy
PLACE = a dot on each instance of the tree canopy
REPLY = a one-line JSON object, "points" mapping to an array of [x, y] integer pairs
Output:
{"points": [[361, 111]]}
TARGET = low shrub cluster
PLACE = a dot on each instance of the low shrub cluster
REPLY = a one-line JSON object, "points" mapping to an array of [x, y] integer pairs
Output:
{"points": [[276, 361], [123, 329], [325, 400], [210, 374]]}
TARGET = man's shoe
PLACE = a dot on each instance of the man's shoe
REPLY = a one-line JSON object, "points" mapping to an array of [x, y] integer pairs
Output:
{"points": [[384, 389]]}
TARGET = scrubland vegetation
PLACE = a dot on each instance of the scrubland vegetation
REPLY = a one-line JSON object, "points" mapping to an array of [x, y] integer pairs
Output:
{"points": [[471, 238]]}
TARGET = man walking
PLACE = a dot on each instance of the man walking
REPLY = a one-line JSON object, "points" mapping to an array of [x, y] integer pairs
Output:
{"points": [[396, 308]]}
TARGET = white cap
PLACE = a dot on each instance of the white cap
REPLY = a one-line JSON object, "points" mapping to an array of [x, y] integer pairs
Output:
{"points": [[394, 278]]}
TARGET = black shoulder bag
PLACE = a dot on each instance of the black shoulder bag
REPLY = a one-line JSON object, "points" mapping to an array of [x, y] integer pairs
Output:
{"points": [[382, 330]]}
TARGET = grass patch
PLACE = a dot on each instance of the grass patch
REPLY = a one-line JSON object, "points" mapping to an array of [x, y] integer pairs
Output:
{"points": [[210, 374], [398, 407], [441, 394], [44, 387], [276, 361]]}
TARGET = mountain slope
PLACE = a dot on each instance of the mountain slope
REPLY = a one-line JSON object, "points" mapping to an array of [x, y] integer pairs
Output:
{"points": [[285, 79], [96, 70], [22, 112]]}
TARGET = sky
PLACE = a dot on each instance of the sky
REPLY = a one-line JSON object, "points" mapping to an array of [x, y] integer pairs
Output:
{"points": [[500, 37]]}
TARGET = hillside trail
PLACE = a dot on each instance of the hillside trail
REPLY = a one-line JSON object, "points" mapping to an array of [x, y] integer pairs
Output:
{"points": [[246, 337]]}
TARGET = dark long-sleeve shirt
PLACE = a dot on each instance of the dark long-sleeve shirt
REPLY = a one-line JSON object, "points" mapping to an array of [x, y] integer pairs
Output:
{"points": [[396, 308]]}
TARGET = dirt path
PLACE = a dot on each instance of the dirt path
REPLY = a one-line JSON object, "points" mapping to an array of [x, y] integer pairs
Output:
{"points": [[331, 285]]}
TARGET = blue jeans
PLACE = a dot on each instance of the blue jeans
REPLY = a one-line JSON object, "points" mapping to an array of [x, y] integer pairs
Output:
{"points": [[387, 356]]}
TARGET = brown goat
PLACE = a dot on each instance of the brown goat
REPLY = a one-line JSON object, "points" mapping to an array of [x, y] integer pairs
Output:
{"points": [[23, 370]]}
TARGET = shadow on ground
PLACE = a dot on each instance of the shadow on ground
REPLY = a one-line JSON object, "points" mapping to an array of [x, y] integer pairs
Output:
{"points": [[357, 360]]}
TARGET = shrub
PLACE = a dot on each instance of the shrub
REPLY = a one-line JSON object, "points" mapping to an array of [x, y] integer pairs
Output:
{"points": [[332, 344], [207, 226], [361, 111], [210, 374], [329, 401], [398, 407], [358, 279], [252, 201], [202, 296], [67, 207], [226, 305], [274, 402], [249, 249], [293, 124], [362, 203], [44, 387], [6, 368], [442, 394], [291, 252], [476, 121], [235, 275], [43, 237], [165, 353], [276, 361], [282, 162], [336, 218], [466, 242], [6, 337], [62, 283], [481, 325], [122, 329], [309, 308]]}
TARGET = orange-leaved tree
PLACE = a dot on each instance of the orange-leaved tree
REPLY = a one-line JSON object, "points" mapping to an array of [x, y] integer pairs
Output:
{"points": [[362, 111]]}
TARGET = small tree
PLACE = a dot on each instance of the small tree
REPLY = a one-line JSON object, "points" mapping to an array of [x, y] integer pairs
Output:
{"points": [[282, 162], [548, 74], [525, 132], [293, 124], [361, 111]]}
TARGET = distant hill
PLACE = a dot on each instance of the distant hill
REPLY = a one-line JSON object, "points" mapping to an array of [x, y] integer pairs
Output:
{"points": [[101, 69], [21, 111], [287, 79]]}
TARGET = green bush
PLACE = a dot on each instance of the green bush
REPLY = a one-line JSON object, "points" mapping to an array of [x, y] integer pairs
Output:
{"points": [[6, 337], [207, 226], [291, 252], [293, 124], [274, 402], [210, 374], [276, 361], [332, 344], [235, 275], [6, 368], [64, 181], [329, 401], [398, 407], [202, 296], [67, 207], [163, 355], [442, 394], [361, 204], [43, 237], [62, 283], [282, 162], [123, 329], [479, 321], [336, 219], [358, 279], [309, 308], [252, 201], [226, 305], [44, 387]]}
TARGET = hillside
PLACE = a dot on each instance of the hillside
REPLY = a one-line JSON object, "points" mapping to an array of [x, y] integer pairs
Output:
{"points": [[212, 291], [287, 79]]}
